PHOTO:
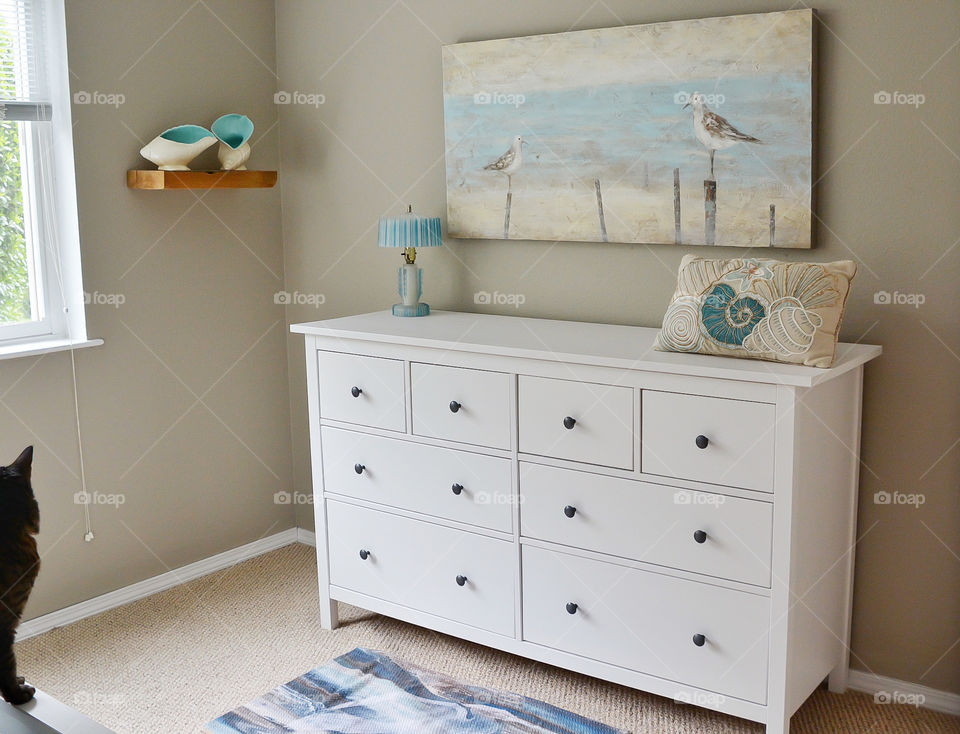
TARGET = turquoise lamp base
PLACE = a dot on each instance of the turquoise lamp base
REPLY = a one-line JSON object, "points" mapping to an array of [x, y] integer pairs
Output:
{"points": [[417, 309], [410, 286]]}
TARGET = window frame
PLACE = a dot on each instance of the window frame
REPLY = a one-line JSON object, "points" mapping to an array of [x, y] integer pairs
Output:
{"points": [[58, 292]]}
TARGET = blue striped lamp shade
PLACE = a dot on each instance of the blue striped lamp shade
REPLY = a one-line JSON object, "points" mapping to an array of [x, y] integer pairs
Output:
{"points": [[409, 230]]}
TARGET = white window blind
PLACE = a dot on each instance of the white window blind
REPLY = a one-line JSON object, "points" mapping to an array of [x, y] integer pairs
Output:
{"points": [[41, 288], [24, 79]]}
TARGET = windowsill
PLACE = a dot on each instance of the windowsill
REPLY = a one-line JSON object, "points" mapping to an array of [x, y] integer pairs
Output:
{"points": [[45, 346]]}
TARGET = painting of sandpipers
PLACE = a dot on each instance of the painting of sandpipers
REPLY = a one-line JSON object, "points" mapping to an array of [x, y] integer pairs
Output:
{"points": [[623, 135]]}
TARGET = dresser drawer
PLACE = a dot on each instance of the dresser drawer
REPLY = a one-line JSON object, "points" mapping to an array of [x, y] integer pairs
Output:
{"points": [[737, 439], [700, 532], [367, 391], [421, 566], [446, 483], [470, 406], [579, 421], [647, 622]]}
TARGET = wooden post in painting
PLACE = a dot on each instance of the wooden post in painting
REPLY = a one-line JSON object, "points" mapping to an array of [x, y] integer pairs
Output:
{"points": [[506, 216], [710, 211], [603, 224], [773, 223], [676, 205]]}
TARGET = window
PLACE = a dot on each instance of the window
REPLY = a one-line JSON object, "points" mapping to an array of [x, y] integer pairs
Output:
{"points": [[41, 294]]}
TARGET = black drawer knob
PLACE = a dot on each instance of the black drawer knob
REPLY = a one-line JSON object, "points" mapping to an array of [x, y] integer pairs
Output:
{"points": [[571, 608], [364, 554], [702, 442], [699, 640], [358, 468], [457, 488], [700, 536], [356, 391], [569, 422], [569, 510], [461, 580], [455, 406]]}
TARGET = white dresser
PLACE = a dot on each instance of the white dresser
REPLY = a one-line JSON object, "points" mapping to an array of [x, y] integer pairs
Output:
{"points": [[682, 524]]}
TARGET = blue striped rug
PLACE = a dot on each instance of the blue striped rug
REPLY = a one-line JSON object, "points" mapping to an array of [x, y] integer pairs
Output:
{"points": [[368, 692]]}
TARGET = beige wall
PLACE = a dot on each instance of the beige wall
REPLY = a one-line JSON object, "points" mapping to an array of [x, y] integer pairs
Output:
{"points": [[887, 199], [199, 319]]}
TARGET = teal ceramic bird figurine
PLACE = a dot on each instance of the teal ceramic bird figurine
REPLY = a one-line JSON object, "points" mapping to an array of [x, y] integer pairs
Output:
{"points": [[233, 131]]}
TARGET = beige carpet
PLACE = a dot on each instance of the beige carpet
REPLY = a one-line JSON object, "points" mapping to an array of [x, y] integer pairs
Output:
{"points": [[174, 661]]}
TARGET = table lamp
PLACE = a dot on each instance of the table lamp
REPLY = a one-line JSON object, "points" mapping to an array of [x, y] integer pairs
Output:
{"points": [[409, 232]]}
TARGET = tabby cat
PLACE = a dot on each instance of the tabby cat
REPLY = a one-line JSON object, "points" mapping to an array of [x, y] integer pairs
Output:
{"points": [[19, 564]]}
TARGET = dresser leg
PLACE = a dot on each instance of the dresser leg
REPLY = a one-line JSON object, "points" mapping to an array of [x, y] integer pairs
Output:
{"points": [[778, 725], [837, 680], [329, 613]]}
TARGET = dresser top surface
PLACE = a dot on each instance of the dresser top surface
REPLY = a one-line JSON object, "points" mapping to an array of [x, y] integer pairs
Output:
{"points": [[603, 345]]}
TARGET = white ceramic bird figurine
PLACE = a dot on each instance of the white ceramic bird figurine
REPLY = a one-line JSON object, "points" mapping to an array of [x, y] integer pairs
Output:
{"points": [[233, 159], [713, 130], [173, 149], [509, 163]]}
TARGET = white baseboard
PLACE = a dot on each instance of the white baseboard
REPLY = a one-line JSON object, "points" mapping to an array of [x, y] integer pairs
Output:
{"points": [[307, 537], [930, 698], [858, 680], [141, 589]]}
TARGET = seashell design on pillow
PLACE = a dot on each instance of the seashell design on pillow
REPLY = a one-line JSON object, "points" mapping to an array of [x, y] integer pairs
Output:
{"points": [[809, 284], [729, 316], [681, 325], [758, 309], [786, 331], [702, 275]]}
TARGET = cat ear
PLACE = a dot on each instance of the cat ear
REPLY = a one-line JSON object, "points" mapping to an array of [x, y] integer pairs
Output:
{"points": [[24, 463]]}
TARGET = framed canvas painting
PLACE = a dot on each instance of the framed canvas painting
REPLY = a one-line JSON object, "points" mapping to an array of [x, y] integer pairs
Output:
{"points": [[696, 132]]}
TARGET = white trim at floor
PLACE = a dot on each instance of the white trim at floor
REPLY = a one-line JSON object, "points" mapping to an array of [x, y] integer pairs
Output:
{"points": [[147, 587], [307, 537], [897, 692]]}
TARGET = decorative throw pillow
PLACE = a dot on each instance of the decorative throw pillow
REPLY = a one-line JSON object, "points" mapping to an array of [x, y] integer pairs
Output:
{"points": [[758, 309]]}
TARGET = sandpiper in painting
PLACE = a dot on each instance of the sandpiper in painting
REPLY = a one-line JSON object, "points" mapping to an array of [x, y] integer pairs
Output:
{"points": [[696, 132]]}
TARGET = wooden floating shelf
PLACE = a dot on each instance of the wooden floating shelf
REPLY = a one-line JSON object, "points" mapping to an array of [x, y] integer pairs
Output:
{"points": [[157, 180]]}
